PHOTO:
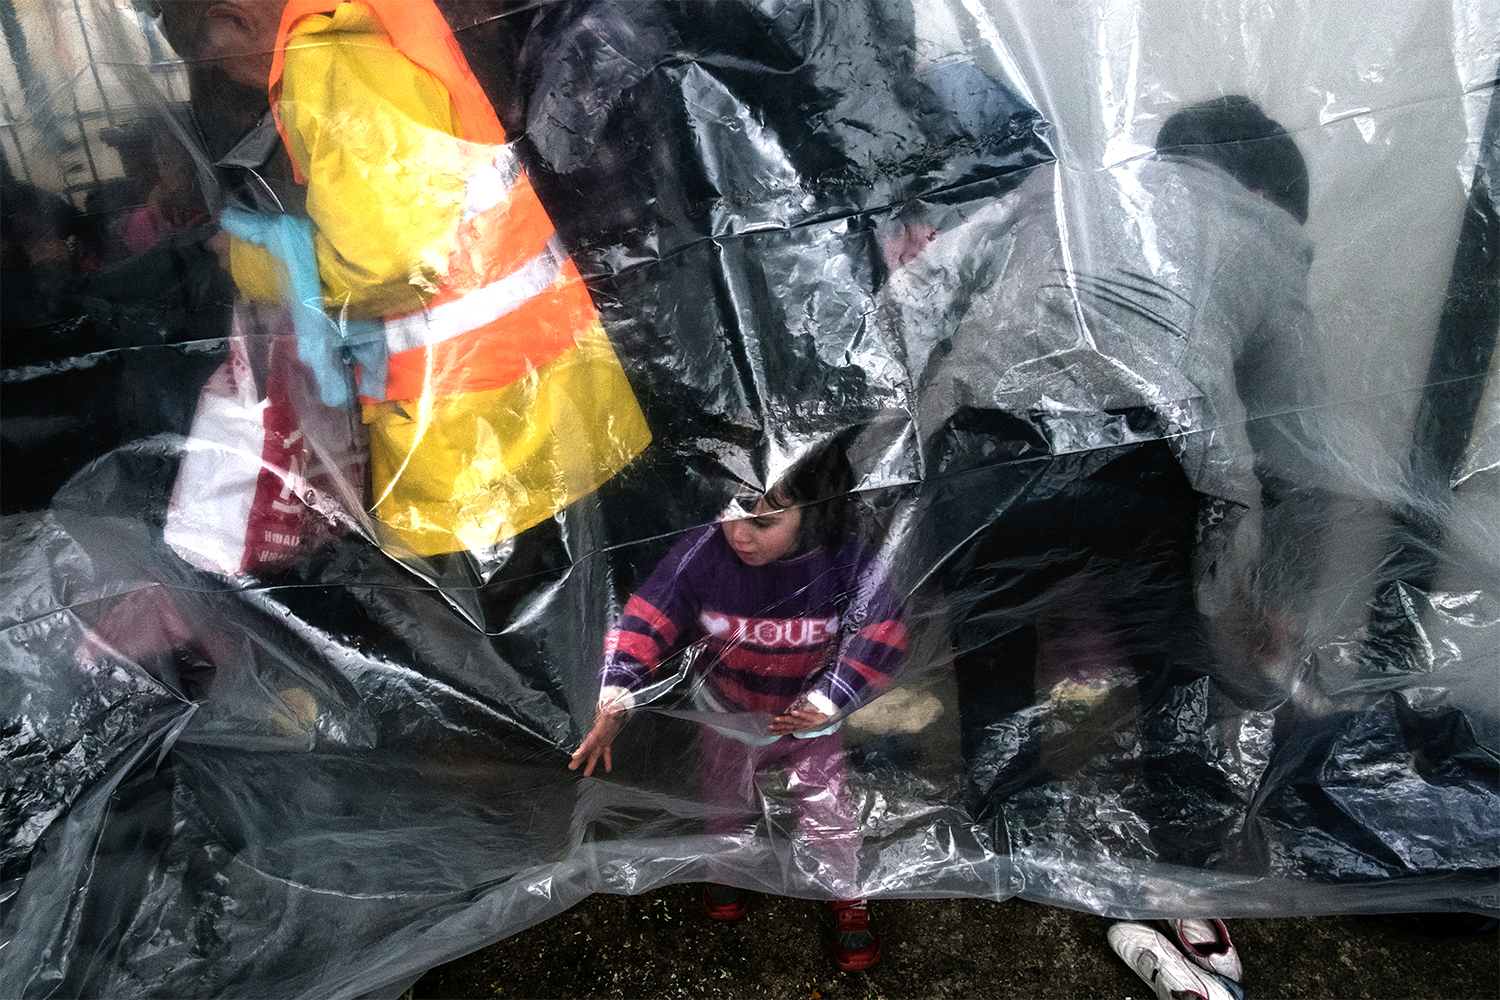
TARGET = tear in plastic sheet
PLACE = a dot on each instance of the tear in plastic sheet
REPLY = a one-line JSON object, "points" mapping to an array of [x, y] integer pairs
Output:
{"points": [[1153, 504]]}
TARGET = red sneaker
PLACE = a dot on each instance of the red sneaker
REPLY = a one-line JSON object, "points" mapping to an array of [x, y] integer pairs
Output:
{"points": [[855, 945], [725, 902]]}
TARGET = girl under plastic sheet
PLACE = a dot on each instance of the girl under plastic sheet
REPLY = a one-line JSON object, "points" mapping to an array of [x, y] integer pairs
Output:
{"points": [[786, 614]]}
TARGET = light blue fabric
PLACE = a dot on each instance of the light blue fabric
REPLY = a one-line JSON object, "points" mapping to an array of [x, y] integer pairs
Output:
{"points": [[320, 340], [366, 341]]}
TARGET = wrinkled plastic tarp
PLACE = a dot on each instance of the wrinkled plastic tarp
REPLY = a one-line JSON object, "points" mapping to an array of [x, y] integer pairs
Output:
{"points": [[1202, 608]]}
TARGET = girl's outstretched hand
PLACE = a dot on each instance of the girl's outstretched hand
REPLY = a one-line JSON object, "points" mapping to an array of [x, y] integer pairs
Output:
{"points": [[798, 719], [607, 725]]}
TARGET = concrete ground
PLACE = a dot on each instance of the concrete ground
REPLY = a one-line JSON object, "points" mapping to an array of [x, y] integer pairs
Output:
{"points": [[662, 945]]}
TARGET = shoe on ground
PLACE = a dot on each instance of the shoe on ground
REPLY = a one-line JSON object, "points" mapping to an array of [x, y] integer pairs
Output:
{"points": [[1165, 969], [1207, 944], [856, 945], [725, 902]]}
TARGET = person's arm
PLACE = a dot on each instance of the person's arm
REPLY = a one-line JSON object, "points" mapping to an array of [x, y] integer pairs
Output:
{"points": [[634, 648], [373, 135], [1279, 376], [649, 630], [1281, 379], [868, 657]]}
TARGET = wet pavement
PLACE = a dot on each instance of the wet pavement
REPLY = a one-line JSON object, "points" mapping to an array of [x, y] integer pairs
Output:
{"points": [[663, 945]]}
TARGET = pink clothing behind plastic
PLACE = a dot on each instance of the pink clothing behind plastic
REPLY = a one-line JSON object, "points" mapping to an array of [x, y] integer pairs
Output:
{"points": [[816, 787]]}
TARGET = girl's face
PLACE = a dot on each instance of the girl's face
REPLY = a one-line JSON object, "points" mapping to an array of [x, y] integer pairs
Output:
{"points": [[766, 535]]}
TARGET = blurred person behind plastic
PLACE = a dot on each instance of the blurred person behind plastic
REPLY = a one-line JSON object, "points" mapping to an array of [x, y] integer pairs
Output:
{"points": [[173, 202], [1094, 385], [64, 296], [1087, 573], [492, 396]]}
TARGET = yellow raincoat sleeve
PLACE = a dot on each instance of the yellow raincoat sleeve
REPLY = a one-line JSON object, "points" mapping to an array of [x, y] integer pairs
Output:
{"points": [[373, 133], [254, 271]]}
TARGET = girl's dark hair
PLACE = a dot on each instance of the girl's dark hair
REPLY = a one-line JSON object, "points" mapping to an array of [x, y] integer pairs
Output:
{"points": [[820, 483], [1234, 134]]}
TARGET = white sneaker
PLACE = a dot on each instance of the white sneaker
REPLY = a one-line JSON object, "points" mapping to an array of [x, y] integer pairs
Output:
{"points": [[1207, 943], [1162, 966]]}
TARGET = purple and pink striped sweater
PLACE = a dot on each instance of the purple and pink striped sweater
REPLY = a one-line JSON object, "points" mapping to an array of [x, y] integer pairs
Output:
{"points": [[823, 624]]}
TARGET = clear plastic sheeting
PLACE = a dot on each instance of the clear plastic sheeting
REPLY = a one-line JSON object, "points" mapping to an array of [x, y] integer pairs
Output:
{"points": [[373, 404]]}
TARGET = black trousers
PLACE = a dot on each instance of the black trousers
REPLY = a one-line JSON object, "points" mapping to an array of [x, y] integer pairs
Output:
{"points": [[1115, 527]]}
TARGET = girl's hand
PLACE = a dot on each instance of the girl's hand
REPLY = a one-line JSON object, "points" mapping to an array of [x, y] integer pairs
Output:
{"points": [[800, 719], [607, 725]]}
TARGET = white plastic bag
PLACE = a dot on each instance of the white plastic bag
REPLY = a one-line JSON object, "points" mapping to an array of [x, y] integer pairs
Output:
{"points": [[261, 468]]}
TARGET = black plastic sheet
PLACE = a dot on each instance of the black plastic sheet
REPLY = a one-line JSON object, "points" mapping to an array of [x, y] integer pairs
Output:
{"points": [[1191, 505]]}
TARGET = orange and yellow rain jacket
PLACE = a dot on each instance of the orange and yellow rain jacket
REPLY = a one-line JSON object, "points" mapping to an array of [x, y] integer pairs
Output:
{"points": [[502, 400]]}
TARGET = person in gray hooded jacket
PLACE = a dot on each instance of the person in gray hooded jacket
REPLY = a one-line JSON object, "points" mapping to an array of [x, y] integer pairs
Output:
{"points": [[1115, 384]]}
